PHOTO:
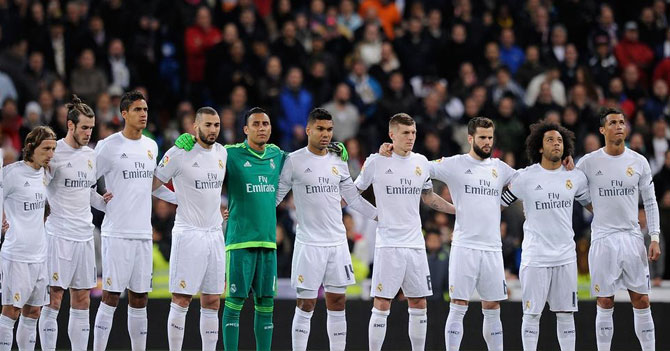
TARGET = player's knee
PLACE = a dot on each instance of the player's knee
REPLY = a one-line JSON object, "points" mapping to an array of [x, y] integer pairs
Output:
{"points": [[55, 297], [110, 298], [640, 301], [31, 311], [264, 304], [417, 303], [80, 299], [336, 302], [606, 302], [459, 302], [137, 300], [210, 302], [490, 305], [306, 305], [382, 304], [184, 300], [11, 311]]}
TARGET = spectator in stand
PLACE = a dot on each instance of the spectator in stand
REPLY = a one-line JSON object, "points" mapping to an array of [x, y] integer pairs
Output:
{"points": [[662, 180], [287, 47], [415, 49], [543, 104], [295, 102], [555, 52], [269, 85], [367, 90], [505, 85], [346, 117], [603, 64], [530, 68], [120, 72], [510, 54], [369, 49], [455, 52], [508, 128], [87, 80], [398, 97], [633, 84], [348, 18], [438, 265], [630, 50], [550, 76], [199, 38], [658, 104], [389, 62], [37, 75], [660, 144], [569, 66], [385, 10], [663, 46]]}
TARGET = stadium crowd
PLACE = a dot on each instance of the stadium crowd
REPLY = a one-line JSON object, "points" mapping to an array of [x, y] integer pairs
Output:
{"points": [[443, 62]]}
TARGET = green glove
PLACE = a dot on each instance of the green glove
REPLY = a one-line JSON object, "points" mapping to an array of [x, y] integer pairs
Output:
{"points": [[185, 141], [339, 149]]}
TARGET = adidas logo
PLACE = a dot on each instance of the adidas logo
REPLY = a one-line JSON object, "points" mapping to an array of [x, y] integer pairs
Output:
{"points": [[123, 155], [247, 164], [69, 165], [308, 170], [27, 184], [195, 164], [538, 187], [468, 171], [599, 173], [389, 171]]}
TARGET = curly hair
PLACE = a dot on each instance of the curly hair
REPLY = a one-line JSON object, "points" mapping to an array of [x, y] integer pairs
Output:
{"points": [[534, 141], [34, 139]]}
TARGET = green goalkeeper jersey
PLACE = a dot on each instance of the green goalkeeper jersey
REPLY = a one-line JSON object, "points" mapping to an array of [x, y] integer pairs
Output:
{"points": [[252, 181]]}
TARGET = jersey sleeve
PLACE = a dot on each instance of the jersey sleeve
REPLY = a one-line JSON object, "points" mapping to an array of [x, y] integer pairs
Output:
{"points": [[428, 184], [514, 190], [102, 161], [439, 169], [582, 195], [50, 173], [7, 185], [507, 172], [581, 164], [285, 180], [169, 166], [646, 186], [366, 177]]}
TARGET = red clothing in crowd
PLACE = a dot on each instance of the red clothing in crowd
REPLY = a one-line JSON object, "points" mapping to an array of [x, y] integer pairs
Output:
{"points": [[635, 52], [197, 41], [662, 71]]}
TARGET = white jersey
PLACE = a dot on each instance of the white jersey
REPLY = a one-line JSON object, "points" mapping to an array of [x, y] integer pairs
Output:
{"points": [[70, 176], [548, 196], [614, 184], [318, 184], [2, 156], [128, 167], [475, 187], [398, 182], [24, 196], [197, 176]]}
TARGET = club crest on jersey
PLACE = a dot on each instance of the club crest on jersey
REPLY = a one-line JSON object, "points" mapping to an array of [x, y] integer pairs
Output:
{"points": [[380, 287], [90, 164], [494, 173], [272, 163], [17, 297], [55, 276], [630, 171], [220, 164], [233, 288], [568, 184], [44, 181], [596, 288], [451, 289], [151, 156], [527, 304], [182, 284], [108, 281], [334, 170], [164, 161], [300, 278], [417, 171]]}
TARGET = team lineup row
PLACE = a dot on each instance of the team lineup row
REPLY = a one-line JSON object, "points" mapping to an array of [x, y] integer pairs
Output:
{"points": [[59, 255]]}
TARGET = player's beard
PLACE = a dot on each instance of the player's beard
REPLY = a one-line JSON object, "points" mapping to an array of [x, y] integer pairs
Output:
{"points": [[203, 137], [77, 140], [481, 153]]}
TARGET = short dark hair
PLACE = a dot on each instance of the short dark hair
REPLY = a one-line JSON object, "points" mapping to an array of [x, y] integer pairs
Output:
{"points": [[478, 122], [34, 139], [401, 118], [320, 114], [606, 111], [128, 98], [253, 111], [534, 141], [205, 111], [77, 108]]}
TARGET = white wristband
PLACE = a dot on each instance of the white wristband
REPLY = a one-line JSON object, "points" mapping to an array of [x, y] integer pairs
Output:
{"points": [[655, 237]]}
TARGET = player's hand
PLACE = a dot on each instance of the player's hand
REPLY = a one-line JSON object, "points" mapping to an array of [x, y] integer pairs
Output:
{"points": [[226, 215], [386, 149], [108, 196], [338, 148], [654, 250], [569, 163], [185, 142], [5, 226]]}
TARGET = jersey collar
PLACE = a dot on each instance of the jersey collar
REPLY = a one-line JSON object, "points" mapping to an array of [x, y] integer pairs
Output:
{"points": [[253, 152]]}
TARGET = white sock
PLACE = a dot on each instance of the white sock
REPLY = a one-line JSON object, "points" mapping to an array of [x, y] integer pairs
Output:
{"points": [[377, 329], [26, 333], [78, 328], [102, 326], [209, 328], [565, 330], [604, 328], [417, 327], [453, 329], [492, 329], [137, 328], [6, 333], [300, 329], [644, 328], [175, 326], [48, 328], [530, 331], [336, 324]]}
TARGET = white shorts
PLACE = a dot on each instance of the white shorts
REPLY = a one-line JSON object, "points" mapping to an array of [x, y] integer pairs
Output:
{"points": [[198, 262], [400, 267], [24, 284], [618, 261], [71, 263], [127, 263], [471, 269], [556, 285], [313, 266]]}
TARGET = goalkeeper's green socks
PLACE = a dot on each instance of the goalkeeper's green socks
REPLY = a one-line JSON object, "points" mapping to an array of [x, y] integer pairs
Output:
{"points": [[263, 326], [231, 323]]}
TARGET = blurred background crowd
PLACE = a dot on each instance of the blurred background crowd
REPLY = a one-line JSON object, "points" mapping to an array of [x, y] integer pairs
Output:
{"points": [[441, 61]]}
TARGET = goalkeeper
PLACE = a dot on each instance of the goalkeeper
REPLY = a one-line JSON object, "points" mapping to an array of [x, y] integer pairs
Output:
{"points": [[252, 175]]}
